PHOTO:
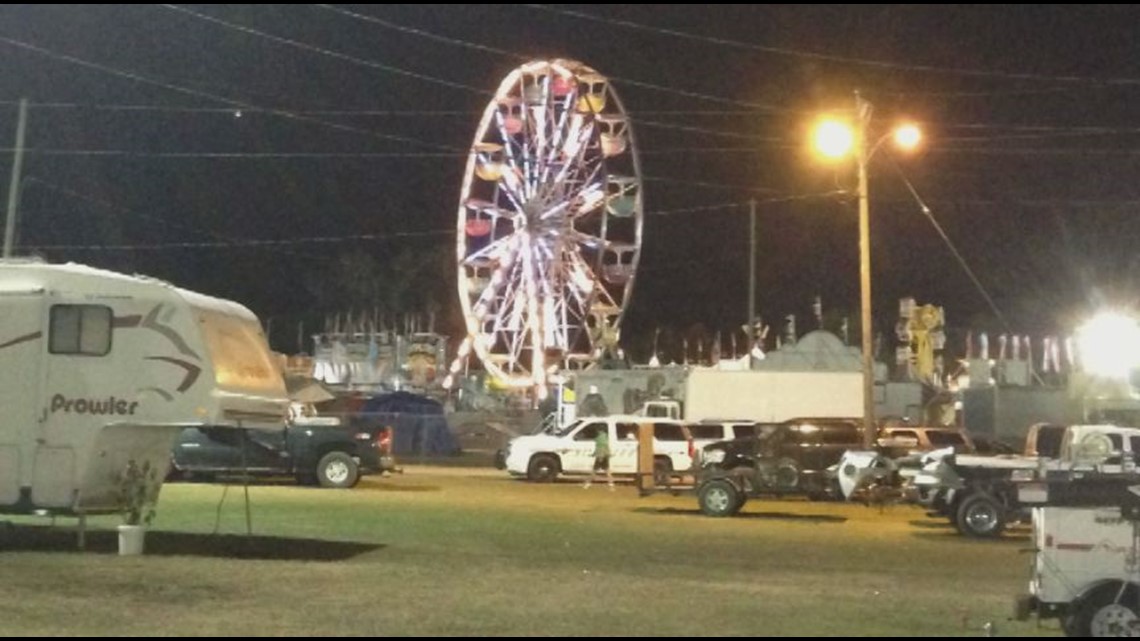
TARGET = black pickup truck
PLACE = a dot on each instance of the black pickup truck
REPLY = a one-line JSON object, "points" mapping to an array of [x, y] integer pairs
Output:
{"points": [[313, 454]]}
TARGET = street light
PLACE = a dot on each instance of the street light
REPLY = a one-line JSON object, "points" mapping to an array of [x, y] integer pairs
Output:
{"points": [[837, 139]]}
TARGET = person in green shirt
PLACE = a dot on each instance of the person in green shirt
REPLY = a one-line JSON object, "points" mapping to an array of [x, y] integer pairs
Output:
{"points": [[601, 458]]}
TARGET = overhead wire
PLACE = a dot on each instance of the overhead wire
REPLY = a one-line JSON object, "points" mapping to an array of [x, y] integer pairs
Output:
{"points": [[207, 95], [488, 49], [812, 55], [926, 211], [277, 242]]}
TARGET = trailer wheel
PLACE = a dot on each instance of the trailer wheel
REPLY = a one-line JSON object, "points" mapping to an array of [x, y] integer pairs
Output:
{"points": [[1108, 611], [719, 498], [337, 469], [543, 468], [980, 515]]}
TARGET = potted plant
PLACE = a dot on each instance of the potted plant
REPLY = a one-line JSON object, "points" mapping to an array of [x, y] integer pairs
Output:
{"points": [[138, 494]]}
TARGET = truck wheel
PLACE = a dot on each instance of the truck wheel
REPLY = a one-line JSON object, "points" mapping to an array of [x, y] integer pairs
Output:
{"points": [[787, 474], [337, 469], [718, 497], [980, 515], [543, 468], [662, 472], [1106, 612]]}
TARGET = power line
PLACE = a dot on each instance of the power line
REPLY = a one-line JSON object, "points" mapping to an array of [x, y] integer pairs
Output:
{"points": [[251, 109], [503, 52], [267, 155], [635, 116], [102, 202], [811, 55], [326, 52], [202, 94], [272, 243], [309, 155], [953, 249], [707, 184]]}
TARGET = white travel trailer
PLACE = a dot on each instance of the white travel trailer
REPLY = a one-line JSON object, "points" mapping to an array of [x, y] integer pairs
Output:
{"points": [[98, 369]]}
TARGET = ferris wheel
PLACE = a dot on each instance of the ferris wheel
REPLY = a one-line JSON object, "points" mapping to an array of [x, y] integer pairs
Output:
{"points": [[549, 224]]}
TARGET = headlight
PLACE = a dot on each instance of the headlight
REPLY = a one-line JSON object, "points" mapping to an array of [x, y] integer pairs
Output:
{"points": [[713, 456]]}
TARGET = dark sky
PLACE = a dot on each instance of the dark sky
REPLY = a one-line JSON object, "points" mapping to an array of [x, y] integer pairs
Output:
{"points": [[355, 121]]}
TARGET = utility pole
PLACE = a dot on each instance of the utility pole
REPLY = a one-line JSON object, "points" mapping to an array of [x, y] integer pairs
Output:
{"points": [[751, 268], [862, 155], [14, 186]]}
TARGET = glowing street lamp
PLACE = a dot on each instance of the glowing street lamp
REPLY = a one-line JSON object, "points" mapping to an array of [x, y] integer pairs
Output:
{"points": [[836, 139]]}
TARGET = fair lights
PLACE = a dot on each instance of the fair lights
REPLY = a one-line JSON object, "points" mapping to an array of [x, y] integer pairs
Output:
{"points": [[1109, 345]]}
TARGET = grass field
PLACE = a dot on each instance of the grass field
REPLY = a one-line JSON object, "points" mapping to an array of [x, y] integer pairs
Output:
{"points": [[459, 551]]}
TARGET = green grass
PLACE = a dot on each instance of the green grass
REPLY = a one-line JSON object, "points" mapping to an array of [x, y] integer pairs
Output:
{"points": [[461, 552]]}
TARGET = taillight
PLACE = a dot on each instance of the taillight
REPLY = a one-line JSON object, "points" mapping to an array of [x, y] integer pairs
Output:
{"points": [[384, 443], [692, 450]]}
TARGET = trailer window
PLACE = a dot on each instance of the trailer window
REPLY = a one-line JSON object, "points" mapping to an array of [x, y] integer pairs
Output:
{"points": [[80, 329]]}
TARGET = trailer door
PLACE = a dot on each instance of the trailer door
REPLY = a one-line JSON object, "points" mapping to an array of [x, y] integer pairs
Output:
{"points": [[77, 368], [21, 357]]}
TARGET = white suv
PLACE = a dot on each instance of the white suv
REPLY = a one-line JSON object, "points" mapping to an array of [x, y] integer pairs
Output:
{"points": [[570, 450], [714, 431]]}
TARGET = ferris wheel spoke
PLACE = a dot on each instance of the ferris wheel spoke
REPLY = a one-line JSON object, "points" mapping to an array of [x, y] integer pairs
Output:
{"points": [[493, 252], [557, 146]]}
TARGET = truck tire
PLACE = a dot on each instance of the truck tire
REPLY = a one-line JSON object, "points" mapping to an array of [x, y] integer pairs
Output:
{"points": [[337, 469], [718, 498], [980, 515], [787, 475], [543, 468], [1106, 612]]}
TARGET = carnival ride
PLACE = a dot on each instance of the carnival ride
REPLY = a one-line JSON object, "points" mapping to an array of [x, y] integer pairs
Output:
{"points": [[549, 225]]}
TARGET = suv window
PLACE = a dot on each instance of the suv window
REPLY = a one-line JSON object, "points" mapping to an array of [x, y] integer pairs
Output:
{"points": [[669, 432], [627, 431], [839, 434], [589, 432], [742, 431], [707, 431]]}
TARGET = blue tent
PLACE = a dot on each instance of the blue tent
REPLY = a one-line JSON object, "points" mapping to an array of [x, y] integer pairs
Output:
{"points": [[418, 423]]}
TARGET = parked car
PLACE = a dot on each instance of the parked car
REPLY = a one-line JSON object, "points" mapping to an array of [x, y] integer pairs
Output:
{"points": [[784, 458], [902, 440], [547, 455], [314, 454], [707, 432]]}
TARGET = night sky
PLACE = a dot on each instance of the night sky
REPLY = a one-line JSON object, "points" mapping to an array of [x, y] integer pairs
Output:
{"points": [[268, 154]]}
